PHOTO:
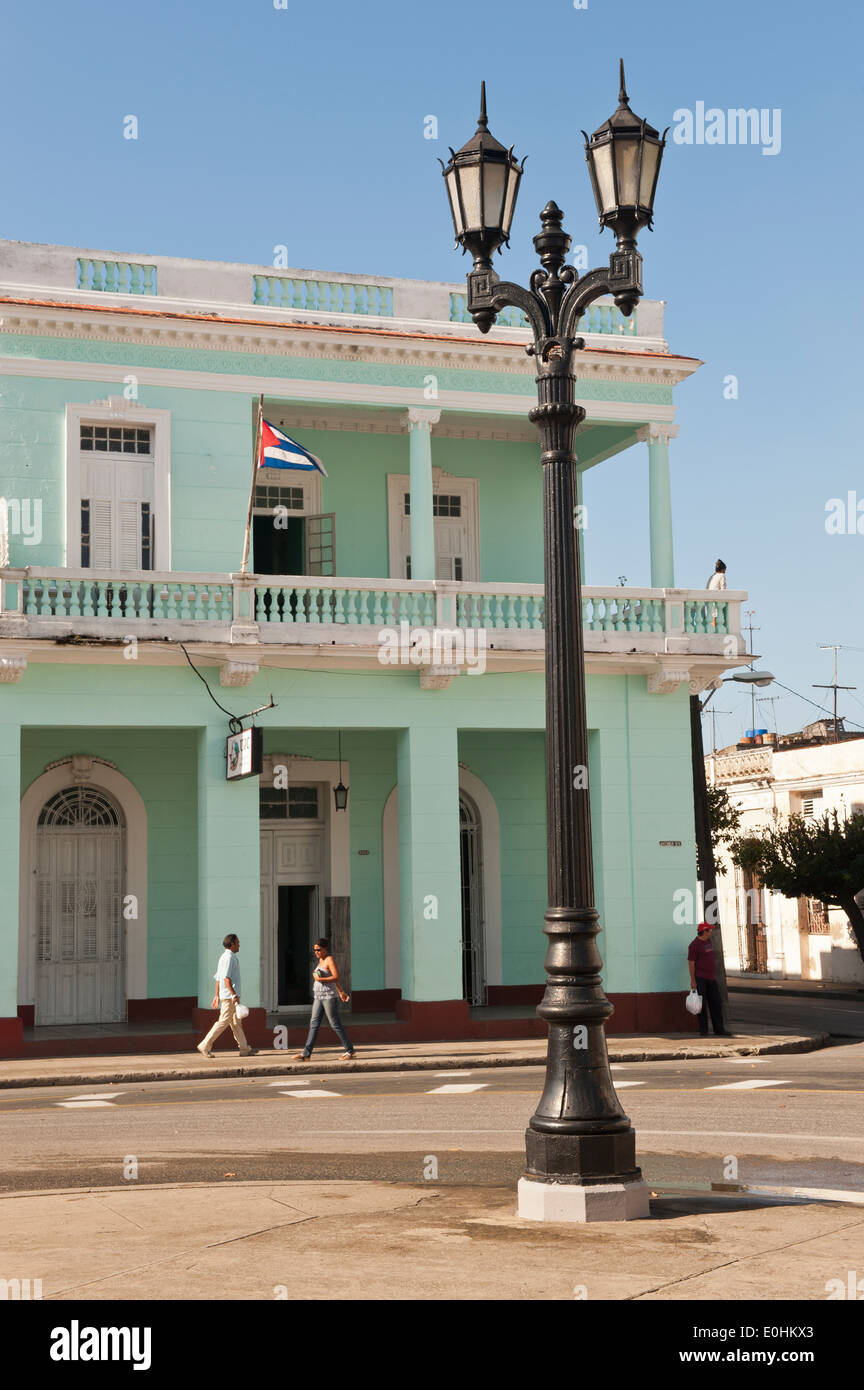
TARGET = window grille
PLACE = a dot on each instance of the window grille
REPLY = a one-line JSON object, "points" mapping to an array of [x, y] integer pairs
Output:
{"points": [[267, 497], [116, 439]]}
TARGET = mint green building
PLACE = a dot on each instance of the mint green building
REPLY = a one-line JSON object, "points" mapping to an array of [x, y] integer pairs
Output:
{"points": [[392, 609]]}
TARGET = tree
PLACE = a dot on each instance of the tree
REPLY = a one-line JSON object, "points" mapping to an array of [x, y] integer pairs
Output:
{"points": [[725, 822], [821, 859]]}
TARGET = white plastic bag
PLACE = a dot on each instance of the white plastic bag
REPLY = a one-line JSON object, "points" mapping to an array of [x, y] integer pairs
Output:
{"points": [[693, 1002], [242, 1011]]}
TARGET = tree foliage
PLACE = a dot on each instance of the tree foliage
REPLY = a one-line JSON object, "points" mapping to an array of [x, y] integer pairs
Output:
{"points": [[821, 859], [725, 822]]}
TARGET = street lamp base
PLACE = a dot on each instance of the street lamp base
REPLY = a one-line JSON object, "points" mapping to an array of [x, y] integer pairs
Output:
{"points": [[581, 1202]]}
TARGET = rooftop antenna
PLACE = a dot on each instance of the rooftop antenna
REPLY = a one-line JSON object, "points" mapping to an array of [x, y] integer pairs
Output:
{"points": [[835, 648], [712, 714], [771, 700]]}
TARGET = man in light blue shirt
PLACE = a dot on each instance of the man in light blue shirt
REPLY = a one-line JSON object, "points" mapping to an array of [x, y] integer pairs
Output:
{"points": [[226, 999]]}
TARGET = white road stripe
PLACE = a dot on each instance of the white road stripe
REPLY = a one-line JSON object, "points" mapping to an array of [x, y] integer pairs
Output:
{"points": [[452, 1073], [619, 1085], [295, 1081], [454, 1087], [304, 1095], [83, 1104], [753, 1085]]}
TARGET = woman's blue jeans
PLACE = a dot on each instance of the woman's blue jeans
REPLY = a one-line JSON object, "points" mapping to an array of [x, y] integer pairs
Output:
{"points": [[330, 1007]]}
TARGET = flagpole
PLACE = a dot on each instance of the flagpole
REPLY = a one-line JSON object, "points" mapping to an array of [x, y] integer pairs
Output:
{"points": [[254, 479]]}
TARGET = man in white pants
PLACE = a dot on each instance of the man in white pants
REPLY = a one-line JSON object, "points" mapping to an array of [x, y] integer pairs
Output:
{"points": [[227, 997]]}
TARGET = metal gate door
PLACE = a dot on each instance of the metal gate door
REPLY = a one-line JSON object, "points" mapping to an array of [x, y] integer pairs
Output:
{"points": [[80, 970]]}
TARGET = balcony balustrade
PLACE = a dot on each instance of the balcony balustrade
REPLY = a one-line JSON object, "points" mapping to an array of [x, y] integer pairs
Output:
{"points": [[304, 609]]}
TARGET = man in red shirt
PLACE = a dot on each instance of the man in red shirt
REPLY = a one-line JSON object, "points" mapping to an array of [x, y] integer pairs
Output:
{"points": [[700, 957]]}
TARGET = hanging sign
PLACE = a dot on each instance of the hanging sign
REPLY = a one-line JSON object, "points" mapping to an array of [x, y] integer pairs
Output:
{"points": [[243, 754]]}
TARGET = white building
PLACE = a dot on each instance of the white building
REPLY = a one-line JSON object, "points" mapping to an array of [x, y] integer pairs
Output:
{"points": [[805, 774]]}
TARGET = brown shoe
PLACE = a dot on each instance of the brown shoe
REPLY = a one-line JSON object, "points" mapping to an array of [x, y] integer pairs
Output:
{"points": [[300, 1057]]}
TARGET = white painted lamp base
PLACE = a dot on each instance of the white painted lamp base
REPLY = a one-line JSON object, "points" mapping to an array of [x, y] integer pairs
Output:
{"points": [[552, 1201]]}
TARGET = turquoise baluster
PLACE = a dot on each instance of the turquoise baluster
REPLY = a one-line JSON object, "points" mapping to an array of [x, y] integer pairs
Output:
{"points": [[486, 611], [390, 607], [377, 609]]}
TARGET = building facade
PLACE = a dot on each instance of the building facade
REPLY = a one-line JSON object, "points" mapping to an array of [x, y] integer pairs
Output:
{"points": [[765, 933], [392, 610]]}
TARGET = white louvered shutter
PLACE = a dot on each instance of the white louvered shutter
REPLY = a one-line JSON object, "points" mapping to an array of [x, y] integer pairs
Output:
{"points": [[101, 534]]}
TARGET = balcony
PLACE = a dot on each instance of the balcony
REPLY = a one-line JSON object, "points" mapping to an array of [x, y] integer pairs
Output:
{"points": [[259, 293], [662, 632]]}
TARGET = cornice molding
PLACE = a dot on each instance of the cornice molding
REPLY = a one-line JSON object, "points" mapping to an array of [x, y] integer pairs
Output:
{"points": [[497, 357]]}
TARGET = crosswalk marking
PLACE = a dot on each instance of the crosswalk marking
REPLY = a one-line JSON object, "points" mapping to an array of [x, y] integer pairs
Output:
{"points": [[454, 1087], [304, 1095], [85, 1103], [452, 1073], [620, 1084], [752, 1085]]}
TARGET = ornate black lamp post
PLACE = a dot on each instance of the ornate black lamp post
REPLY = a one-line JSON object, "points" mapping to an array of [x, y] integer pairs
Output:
{"points": [[580, 1147]]}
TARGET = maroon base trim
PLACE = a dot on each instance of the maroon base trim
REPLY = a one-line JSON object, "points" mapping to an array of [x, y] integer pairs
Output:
{"points": [[650, 1013], [160, 1010], [27, 1014], [11, 1037], [502, 995], [416, 1021], [435, 1018], [375, 1001]]}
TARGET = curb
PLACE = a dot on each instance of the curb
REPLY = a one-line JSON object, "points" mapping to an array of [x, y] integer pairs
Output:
{"points": [[805, 1043]]}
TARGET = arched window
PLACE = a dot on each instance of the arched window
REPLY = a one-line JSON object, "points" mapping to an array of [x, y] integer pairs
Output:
{"points": [[84, 807]]}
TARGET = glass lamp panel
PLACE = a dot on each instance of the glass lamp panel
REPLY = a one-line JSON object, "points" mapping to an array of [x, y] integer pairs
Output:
{"points": [[510, 199], [469, 178], [650, 160], [494, 179], [602, 156], [627, 164], [451, 179]]}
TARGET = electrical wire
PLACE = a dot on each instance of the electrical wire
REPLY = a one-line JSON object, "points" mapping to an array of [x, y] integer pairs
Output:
{"points": [[203, 680]]}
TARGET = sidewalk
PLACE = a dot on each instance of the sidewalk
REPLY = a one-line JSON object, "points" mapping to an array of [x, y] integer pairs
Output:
{"points": [[421, 1241], [185, 1066]]}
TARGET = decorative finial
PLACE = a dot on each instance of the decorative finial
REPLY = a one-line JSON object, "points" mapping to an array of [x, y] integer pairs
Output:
{"points": [[622, 91], [481, 120]]}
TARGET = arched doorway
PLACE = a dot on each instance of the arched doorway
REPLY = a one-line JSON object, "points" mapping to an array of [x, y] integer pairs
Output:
{"points": [[79, 924], [473, 919]]}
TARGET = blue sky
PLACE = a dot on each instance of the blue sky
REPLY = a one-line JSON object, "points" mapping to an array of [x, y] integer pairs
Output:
{"points": [[304, 126]]}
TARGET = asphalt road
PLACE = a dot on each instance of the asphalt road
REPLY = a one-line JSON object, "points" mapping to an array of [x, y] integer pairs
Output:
{"points": [[842, 1018], [789, 1121]]}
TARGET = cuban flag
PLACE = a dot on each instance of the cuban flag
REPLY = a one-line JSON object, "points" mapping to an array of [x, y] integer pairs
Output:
{"points": [[276, 450]]}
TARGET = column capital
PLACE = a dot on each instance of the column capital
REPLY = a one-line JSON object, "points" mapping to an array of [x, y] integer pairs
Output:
{"points": [[656, 432], [418, 418]]}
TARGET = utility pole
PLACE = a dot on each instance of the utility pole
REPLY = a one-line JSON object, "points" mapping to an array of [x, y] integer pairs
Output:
{"points": [[835, 648], [751, 613]]}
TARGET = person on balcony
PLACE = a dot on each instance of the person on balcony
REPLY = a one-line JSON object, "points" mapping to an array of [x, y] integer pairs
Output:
{"points": [[718, 578], [717, 581], [326, 993]]}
